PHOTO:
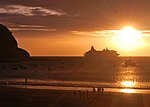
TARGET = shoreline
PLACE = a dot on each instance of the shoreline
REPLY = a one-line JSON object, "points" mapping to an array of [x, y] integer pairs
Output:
{"points": [[62, 83], [78, 88]]}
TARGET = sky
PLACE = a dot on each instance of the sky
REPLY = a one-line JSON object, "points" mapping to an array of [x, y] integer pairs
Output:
{"points": [[71, 27]]}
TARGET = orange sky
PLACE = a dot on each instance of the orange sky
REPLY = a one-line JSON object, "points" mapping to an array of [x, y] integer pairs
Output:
{"points": [[71, 27], [75, 45]]}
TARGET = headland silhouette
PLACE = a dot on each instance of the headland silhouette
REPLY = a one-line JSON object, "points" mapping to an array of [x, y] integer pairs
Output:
{"points": [[9, 49]]}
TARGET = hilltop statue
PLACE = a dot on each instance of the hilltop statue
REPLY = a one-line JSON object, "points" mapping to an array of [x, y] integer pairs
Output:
{"points": [[9, 47]]}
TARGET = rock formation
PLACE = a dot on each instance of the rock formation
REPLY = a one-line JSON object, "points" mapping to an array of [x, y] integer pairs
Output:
{"points": [[9, 47]]}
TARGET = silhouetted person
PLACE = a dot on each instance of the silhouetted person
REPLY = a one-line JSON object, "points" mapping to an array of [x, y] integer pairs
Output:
{"points": [[80, 94], [83, 94], [26, 80], [98, 90], [9, 47], [102, 89], [87, 93], [94, 90], [74, 92]]}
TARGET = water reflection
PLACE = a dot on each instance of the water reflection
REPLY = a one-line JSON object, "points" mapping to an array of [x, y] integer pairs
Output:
{"points": [[128, 83], [128, 90], [128, 77]]}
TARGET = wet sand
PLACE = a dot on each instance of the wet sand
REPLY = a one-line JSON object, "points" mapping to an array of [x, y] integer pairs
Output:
{"points": [[15, 97]]}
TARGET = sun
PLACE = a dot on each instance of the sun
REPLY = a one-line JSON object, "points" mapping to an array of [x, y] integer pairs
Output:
{"points": [[128, 38]]}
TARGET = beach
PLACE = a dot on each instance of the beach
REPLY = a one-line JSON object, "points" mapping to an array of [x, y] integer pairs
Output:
{"points": [[59, 83], [18, 97]]}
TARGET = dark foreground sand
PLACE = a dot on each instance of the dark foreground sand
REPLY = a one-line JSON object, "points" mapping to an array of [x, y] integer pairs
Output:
{"points": [[13, 97]]}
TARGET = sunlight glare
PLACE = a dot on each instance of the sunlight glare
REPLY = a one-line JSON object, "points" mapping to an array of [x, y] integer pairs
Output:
{"points": [[128, 90], [128, 83], [128, 38]]}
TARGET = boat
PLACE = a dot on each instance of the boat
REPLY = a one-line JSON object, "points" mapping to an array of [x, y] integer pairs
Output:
{"points": [[105, 54]]}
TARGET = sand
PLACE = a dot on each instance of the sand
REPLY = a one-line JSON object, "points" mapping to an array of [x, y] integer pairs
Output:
{"points": [[15, 97]]}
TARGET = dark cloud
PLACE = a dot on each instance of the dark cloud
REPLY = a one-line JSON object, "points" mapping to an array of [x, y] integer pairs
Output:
{"points": [[29, 11]]}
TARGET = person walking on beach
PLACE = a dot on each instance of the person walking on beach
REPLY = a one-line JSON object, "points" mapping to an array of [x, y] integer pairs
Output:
{"points": [[87, 93], [80, 94], [74, 92], [83, 94], [94, 90], [102, 89], [26, 80], [98, 90]]}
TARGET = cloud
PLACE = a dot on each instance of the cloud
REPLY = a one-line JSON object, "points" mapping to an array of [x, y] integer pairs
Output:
{"points": [[101, 33], [146, 34], [108, 33], [30, 28], [146, 31], [30, 11]]}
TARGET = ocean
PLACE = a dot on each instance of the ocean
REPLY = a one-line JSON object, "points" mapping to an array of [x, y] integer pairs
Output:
{"points": [[128, 72]]}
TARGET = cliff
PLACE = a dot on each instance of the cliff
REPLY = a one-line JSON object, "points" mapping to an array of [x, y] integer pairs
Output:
{"points": [[9, 47]]}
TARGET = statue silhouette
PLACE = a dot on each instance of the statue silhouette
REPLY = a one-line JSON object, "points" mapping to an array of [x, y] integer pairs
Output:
{"points": [[9, 47]]}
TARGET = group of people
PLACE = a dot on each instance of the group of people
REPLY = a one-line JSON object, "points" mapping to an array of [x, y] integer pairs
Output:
{"points": [[85, 94], [99, 90]]}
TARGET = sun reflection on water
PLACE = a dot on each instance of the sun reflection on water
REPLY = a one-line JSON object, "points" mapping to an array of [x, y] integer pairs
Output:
{"points": [[128, 83], [128, 90]]}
